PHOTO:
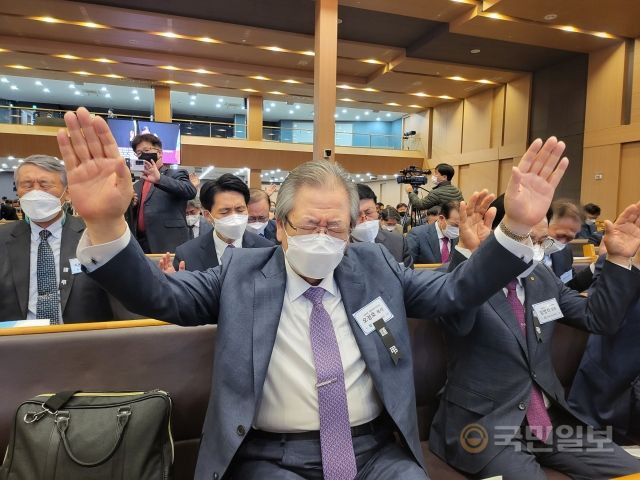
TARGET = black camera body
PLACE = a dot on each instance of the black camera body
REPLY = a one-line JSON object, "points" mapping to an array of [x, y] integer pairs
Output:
{"points": [[414, 176]]}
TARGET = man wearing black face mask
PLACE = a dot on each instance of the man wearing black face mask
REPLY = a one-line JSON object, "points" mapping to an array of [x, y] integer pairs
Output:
{"points": [[158, 219]]}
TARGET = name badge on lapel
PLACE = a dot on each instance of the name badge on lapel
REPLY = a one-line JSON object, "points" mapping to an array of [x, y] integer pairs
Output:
{"points": [[567, 276], [547, 311], [371, 312], [75, 265]]}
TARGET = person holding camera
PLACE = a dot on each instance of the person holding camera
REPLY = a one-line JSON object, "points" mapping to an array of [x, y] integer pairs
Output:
{"points": [[442, 192], [158, 218]]}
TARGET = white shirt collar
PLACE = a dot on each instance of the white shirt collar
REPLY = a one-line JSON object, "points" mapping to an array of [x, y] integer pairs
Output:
{"points": [[221, 244], [296, 285], [438, 231], [55, 228]]}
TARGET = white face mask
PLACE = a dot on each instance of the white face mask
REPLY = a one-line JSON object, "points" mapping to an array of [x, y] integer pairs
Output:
{"points": [[556, 246], [366, 231], [192, 220], [258, 227], [451, 232], [434, 180], [390, 228], [591, 221], [315, 255], [231, 226], [40, 206]]}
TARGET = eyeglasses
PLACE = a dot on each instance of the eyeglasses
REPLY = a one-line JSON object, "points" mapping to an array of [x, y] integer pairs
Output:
{"points": [[258, 219], [335, 230], [146, 150], [368, 214], [545, 242]]}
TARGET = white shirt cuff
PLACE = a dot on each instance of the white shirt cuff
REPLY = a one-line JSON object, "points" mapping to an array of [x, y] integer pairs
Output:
{"points": [[95, 256], [523, 251]]}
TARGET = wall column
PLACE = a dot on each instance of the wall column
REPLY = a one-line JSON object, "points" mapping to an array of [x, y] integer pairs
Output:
{"points": [[324, 76], [161, 103], [255, 180], [254, 118]]}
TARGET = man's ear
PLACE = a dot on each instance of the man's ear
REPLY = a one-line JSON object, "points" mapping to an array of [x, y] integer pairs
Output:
{"points": [[279, 230]]}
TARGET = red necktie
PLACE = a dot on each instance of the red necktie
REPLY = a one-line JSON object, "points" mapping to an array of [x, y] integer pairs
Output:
{"points": [[445, 253], [537, 415], [146, 186]]}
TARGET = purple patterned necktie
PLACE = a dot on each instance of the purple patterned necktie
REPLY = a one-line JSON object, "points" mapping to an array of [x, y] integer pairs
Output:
{"points": [[537, 415], [445, 254], [338, 458]]}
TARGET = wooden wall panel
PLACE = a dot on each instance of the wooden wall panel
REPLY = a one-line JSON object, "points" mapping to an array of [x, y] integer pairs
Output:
{"points": [[629, 191], [604, 88], [447, 130], [635, 88], [476, 123], [504, 173], [516, 114], [603, 160], [497, 116], [478, 176]]}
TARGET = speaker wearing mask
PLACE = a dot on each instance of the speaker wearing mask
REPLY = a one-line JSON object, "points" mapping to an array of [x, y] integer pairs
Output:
{"points": [[434, 243], [259, 222], [368, 228], [224, 203]]}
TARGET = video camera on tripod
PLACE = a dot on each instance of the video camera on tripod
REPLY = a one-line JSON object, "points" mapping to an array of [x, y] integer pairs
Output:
{"points": [[414, 176]]}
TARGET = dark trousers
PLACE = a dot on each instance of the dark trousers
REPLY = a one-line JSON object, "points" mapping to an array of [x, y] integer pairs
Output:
{"points": [[378, 457]]}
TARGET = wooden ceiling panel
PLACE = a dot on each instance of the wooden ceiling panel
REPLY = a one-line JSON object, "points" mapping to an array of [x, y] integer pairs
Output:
{"points": [[438, 10], [434, 86], [619, 17], [445, 69]]}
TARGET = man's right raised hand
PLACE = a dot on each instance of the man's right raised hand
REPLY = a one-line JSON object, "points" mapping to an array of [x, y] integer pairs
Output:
{"points": [[99, 180]]}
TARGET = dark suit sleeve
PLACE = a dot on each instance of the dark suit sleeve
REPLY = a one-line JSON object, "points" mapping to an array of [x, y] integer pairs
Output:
{"points": [[606, 305], [430, 294], [582, 279], [178, 184], [184, 298], [406, 254], [413, 245], [177, 258]]}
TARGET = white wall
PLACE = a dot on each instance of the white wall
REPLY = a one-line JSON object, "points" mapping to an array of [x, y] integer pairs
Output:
{"points": [[389, 192]]}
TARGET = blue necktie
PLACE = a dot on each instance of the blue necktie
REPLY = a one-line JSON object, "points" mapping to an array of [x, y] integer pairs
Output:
{"points": [[48, 305]]}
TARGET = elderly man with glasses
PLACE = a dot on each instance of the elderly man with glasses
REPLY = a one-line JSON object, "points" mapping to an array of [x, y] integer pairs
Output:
{"points": [[158, 217]]}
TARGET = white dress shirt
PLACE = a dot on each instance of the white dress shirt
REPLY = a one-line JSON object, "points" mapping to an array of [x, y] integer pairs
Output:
{"points": [[289, 398], [55, 240], [221, 245], [440, 237], [195, 230]]}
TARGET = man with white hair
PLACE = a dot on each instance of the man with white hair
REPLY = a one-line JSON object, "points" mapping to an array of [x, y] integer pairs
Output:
{"points": [[40, 278], [312, 374]]}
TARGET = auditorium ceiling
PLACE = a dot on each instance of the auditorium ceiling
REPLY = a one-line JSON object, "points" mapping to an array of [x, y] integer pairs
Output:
{"points": [[397, 56]]}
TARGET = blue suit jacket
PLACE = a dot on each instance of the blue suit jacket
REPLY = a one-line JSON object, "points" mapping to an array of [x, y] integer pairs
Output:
{"points": [[424, 244], [244, 296], [270, 231], [603, 388]]}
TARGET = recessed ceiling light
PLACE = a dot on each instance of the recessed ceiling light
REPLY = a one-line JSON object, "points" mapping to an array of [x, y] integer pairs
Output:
{"points": [[46, 90], [275, 92], [13, 87], [103, 60], [297, 107], [83, 73], [202, 71], [19, 67], [290, 80], [218, 105], [250, 90], [273, 105], [77, 92], [66, 56], [377, 119], [4, 80], [192, 102], [275, 49], [11, 157], [38, 83], [474, 50], [45, 19], [366, 112], [134, 92], [136, 98], [369, 89], [357, 117], [112, 75], [344, 110], [103, 89], [388, 114], [568, 28], [310, 53], [71, 85], [267, 109], [345, 87], [290, 112], [193, 97], [393, 104], [335, 115], [550, 16]]}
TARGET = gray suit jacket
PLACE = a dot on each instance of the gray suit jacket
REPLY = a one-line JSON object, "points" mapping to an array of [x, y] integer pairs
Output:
{"points": [[205, 227], [164, 210], [245, 296], [397, 246], [492, 366], [200, 253], [424, 245], [81, 299]]}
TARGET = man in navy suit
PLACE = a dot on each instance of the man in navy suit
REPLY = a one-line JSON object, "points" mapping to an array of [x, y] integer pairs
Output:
{"points": [[225, 202], [312, 371], [259, 223], [434, 243]]}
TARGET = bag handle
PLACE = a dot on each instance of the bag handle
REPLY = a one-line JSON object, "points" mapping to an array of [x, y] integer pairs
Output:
{"points": [[62, 423], [59, 400]]}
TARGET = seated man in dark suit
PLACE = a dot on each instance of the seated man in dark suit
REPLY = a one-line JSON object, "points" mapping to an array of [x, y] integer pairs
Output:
{"points": [[225, 203], [434, 243], [259, 223], [606, 388], [7, 210], [390, 220], [198, 225], [589, 231], [368, 228], [312, 375], [40, 277], [503, 410]]}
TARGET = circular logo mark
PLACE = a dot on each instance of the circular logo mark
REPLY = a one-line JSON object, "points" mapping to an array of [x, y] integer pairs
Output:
{"points": [[474, 438]]}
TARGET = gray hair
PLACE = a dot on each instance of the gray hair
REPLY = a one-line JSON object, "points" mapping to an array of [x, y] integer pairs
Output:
{"points": [[195, 203], [318, 173], [46, 162]]}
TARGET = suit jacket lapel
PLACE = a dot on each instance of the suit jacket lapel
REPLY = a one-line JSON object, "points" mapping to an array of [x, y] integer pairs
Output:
{"points": [[499, 303], [19, 250], [269, 291], [71, 232], [247, 240], [433, 243], [208, 254]]}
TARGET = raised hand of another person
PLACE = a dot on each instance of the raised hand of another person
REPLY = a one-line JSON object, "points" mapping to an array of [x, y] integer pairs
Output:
{"points": [[150, 172], [408, 188], [475, 219], [166, 264], [622, 237], [99, 180], [532, 185], [270, 189]]}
